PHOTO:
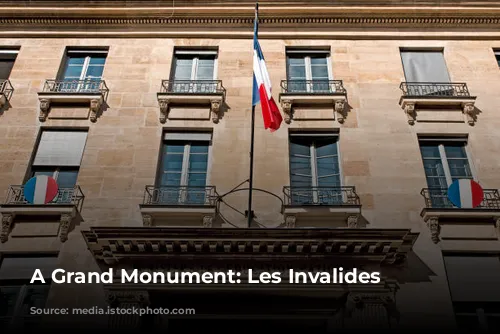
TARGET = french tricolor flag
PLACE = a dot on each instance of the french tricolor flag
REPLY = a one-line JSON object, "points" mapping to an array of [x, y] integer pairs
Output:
{"points": [[465, 193], [262, 85]]}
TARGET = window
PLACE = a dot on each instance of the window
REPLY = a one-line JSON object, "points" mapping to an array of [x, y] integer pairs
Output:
{"points": [[497, 56], [17, 296], [308, 71], [183, 170], [314, 169], [7, 59], [445, 160], [473, 282], [82, 65], [58, 155], [426, 67], [197, 66]]}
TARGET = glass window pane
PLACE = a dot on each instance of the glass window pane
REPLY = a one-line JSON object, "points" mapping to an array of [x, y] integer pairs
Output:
{"points": [[173, 147], [8, 298], [67, 179], [76, 60], [44, 172], [94, 72], [300, 165], [300, 181], [430, 151], [319, 72], [329, 181], [455, 151], [73, 72], [296, 60], [205, 73], [300, 146], [172, 162], [318, 60], [200, 147], [197, 179], [98, 59], [296, 73], [183, 69], [327, 166], [459, 169], [171, 179], [198, 162], [326, 146]]}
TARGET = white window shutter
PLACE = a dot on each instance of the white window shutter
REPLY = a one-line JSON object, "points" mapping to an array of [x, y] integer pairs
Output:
{"points": [[60, 148], [420, 66]]}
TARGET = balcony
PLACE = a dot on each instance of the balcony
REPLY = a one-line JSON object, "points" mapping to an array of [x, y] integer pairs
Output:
{"points": [[192, 93], [327, 207], [313, 92], [6, 91], [91, 91], [65, 207], [179, 206], [439, 214], [436, 95]]}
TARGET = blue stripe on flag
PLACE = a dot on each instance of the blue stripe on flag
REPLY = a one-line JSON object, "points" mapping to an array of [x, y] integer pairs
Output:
{"points": [[255, 93]]}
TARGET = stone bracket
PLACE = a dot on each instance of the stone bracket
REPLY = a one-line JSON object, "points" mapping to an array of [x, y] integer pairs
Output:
{"points": [[409, 108], [357, 301], [286, 105], [7, 223], [95, 107], [339, 109], [147, 220], [119, 297], [208, 221], [163, 109], [435, 229], [290, 221], [64, 226], [352, 221]]}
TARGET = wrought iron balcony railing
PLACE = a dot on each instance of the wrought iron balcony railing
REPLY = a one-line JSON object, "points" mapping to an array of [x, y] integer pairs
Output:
{"points": [[89, 86], [313, 87], [73, 196], [437, 198], [6, 89], [192, 87], [432, 89], [329, 196], [180, 195]]}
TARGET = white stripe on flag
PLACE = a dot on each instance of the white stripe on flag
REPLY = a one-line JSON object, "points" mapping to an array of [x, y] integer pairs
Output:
{"points": [[40, 189], [256, 69], [265, 77], [465, 193]]}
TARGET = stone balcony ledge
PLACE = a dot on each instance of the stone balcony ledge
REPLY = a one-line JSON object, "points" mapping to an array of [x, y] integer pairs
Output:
{"points": [[313, 92], [191, 92], [420, 95], [93, 92]]}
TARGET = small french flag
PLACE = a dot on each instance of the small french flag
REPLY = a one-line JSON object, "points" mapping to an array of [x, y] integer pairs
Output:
{"points": [[262, 84], [465, 193], [40, 189]]}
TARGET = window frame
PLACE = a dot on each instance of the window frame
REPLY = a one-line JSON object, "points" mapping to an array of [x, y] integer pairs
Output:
{"points": [[195, 60], [307, 62], [444, 159], [313, 157], [86, 63], [185, 159]]}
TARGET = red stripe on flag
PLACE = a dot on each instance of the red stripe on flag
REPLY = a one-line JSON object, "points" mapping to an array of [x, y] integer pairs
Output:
{"points": [[270, 111], [477, 193]]}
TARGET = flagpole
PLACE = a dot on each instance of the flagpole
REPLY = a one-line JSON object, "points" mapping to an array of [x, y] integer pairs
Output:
{"points": [[250, 181], [252, 136]]}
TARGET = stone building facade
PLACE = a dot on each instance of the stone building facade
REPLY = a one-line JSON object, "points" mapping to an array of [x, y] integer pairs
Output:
{"points": [[142, 113]]}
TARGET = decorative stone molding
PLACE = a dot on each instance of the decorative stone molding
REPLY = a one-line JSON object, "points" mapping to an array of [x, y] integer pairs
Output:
{"points": [[497, 222], [339, 109], [357, 302], [65, 224], [286, 105], [119, 297], [7, 220], [215, 109], [208, 221], [352, 221], [95, 106], [147, 220], [44, 109], [468, 110], [290, 221], [433, 225], [409, 109], [163, 109]]}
